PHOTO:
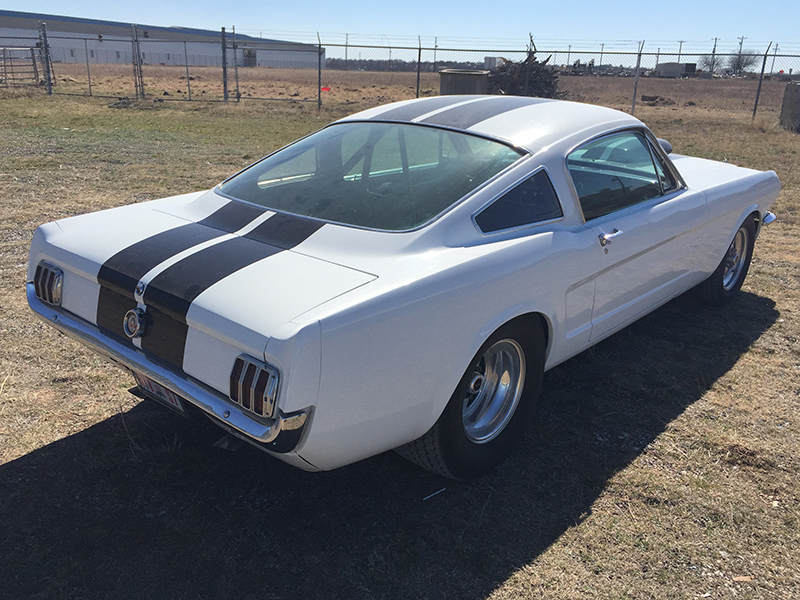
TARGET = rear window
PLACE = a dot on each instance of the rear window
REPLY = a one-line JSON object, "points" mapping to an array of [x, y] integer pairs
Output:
{"points": [[387, 176]]}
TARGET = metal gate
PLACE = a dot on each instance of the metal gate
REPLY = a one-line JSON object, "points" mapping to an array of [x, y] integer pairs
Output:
{"points": [[18, 66]]}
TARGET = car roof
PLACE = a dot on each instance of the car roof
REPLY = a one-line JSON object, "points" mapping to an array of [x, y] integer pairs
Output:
{"points": [[530, 123]]}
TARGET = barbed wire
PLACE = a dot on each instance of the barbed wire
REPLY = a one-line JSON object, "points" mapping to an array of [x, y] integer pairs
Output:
{"points": [[723, 46]]}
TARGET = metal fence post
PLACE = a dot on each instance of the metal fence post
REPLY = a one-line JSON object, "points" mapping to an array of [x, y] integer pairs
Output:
{"points": [[33, 62], [319, 73], [48, 80], [760, 79], [636, 82], [138, 77], [528, 74], [419, 62], [235, 64], [88, 71], [186, 60], [224, 68], [133, 61], [139, 65]]}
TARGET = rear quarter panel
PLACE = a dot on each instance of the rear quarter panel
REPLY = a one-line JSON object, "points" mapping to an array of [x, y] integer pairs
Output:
{"points": [[394, 351], [731, 194]]}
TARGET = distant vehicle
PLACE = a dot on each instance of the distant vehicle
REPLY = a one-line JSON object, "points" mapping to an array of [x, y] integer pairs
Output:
{"points": [[402, 278]]}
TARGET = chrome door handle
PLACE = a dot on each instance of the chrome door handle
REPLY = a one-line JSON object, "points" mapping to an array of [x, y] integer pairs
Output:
{"points": [[605, 238]]}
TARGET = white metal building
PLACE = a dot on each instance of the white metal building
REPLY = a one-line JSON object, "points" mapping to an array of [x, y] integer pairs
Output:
{"points": [[78, 40]]}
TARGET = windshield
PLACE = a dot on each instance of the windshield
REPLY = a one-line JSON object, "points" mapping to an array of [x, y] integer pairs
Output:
{"points": [[388, 176]]}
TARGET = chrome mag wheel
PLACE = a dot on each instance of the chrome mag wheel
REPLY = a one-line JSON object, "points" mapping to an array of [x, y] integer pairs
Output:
{"points": [[735, 260], [493, 391]]}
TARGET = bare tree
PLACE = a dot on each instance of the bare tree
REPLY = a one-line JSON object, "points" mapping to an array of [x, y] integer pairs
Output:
{"points": [[709, 62], [739, 63]]}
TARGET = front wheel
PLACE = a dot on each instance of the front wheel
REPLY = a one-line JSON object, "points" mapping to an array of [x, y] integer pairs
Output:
{"points": [[487, 413], [726, 281]]}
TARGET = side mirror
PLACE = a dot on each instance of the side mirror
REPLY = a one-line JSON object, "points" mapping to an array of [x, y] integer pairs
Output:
{"points": [[667, 147]]}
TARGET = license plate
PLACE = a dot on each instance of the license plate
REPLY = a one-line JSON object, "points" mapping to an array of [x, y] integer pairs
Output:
{"points": [[160, 393]]}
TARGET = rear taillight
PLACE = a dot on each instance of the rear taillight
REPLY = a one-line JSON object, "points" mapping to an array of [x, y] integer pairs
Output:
{"points": [[48, 282], [254, 386]]}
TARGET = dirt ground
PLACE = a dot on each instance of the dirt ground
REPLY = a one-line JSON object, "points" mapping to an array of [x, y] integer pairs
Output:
{"points": [[361, 89]]}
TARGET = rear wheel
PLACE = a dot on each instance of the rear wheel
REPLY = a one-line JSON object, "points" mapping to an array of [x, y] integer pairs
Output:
{"points": [[727, 279], [488, 411]]}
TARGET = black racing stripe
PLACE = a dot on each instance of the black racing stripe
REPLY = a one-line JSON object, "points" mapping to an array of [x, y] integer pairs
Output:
{"points": [[119, 275], [468, 115], [233, 216], [284, 231], [165, 338], [111, 309], [123, 271], [411, 111], [174, 289]]}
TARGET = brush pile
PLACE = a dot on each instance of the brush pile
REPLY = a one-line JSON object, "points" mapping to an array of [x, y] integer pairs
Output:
{"points": [[529, 77]]}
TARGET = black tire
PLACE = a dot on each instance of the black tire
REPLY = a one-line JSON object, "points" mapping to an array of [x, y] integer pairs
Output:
{"points": [[726, 281], [484, 419]]}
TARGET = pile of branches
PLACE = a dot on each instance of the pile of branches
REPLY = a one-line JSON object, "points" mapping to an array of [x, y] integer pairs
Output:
{"points": [[530, 77]]}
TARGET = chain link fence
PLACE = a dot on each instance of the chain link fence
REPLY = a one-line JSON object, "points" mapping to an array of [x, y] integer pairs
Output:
{"points": [[341, 75], [686, 82]]}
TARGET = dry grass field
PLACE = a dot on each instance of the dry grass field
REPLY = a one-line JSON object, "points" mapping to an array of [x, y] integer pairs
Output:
{"points": [[354, 90], [291, 85], [662, 464]]}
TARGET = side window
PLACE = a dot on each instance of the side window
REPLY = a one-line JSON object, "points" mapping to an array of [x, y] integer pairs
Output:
{"points": [[668, 182], [532, 201], [612, 173]]}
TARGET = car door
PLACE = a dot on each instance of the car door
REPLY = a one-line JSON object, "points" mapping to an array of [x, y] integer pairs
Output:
{"points": [[646, 223]]}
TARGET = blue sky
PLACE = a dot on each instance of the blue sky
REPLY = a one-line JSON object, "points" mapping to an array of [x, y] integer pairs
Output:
{"points": [[583, 24]]}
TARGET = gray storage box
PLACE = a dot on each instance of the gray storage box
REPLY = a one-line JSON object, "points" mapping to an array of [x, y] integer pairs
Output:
{"points": [[790, 111], [463, 81]]}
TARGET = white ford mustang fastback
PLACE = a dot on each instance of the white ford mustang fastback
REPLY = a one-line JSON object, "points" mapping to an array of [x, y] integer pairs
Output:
{"points": [[401, 278]]}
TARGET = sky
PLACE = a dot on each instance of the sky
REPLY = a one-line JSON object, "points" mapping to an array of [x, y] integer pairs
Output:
{"points": [[581, 24]]}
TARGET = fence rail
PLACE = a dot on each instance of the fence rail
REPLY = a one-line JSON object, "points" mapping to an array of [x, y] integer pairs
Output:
{"points": [[242, 68]]}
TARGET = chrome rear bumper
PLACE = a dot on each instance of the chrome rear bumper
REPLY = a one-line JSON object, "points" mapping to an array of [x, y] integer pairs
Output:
{"points": [[279, 435]]}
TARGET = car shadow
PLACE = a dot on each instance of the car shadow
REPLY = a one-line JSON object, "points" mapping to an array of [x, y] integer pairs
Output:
{"points": [[142, 506]]}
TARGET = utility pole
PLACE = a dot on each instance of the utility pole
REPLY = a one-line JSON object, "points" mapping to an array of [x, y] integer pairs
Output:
{"points": [[774, 54], [602, 46], [680, 47], [714, 57], [738, 64], [738, 68]]}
